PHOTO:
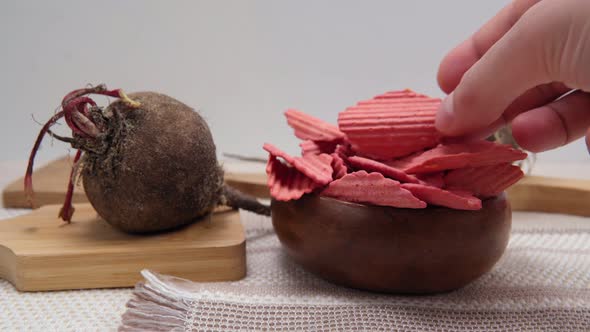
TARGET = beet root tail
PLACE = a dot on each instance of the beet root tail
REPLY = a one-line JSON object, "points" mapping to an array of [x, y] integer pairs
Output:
{"points": [[67, 210], [29, 173], [239, 200]]}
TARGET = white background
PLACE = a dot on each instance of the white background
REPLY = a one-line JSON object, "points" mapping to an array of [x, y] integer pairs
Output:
{"points": [[241, 63]]}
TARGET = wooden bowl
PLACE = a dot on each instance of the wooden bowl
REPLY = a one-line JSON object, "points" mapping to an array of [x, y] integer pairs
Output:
{"points": [[393, 250]]}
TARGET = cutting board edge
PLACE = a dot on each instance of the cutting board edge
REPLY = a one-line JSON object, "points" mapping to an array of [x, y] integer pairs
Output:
{"points": [[232, 269], [47, 264]]}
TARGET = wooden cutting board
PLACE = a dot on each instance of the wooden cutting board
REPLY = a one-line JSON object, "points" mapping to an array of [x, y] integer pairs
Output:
{"points": [[552, 195], [38, 252], [50, 182]]}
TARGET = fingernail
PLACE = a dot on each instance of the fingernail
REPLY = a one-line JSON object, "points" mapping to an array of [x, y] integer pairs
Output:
{"points": [[445, 116]]}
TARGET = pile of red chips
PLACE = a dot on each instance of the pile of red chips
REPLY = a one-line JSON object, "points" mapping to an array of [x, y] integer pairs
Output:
{"points": [[386, 151]]}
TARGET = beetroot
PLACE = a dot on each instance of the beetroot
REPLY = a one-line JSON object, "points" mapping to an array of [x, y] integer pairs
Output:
{"points": [[147, 161]]}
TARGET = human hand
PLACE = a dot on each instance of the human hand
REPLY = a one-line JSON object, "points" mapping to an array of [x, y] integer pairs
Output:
{"points": [[512, 71]]}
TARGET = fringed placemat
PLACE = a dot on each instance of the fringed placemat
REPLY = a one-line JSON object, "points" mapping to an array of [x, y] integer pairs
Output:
{"points": [[542, 283]]}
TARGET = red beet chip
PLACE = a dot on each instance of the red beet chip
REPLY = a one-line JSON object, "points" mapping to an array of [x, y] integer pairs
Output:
{"points": [[375, 166], [425, 103], [343, 150], [461, 155], [274, 151], [486, 181], [339, 166], [399, 94], [308, 127], [316, 167], [313, 147], [388, 128], [372, 188], [432, 179], [436, 196], [287, 183]]}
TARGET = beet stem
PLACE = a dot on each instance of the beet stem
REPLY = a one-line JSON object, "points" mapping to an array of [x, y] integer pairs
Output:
{"points": [[75, 104], [85, 125], [124, 98], [75, 111], [67, 210], [239, 200]]}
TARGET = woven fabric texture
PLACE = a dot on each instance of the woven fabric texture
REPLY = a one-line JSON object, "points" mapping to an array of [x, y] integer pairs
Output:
{"points": [[542, 283]]}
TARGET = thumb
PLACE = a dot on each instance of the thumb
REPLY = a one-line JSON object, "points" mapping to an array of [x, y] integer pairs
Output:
{"points": [[516, 63]]}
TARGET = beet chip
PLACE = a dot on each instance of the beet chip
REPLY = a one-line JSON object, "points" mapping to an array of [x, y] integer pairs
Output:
{"points": [[454, 199], [375, 166], [287, 183], [317, 147], [407, 93], [372, 188], [387, 128], [486, 181], [308, 127], [274, 151], [461, 155], [316, 167], [339, 166], [432, 179]]}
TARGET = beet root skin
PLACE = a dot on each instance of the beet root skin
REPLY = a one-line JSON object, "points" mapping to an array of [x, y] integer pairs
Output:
{"points": [[161, 173]]}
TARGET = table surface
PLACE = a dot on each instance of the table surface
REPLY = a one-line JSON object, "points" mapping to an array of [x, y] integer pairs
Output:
{"points": [[102, 309]]}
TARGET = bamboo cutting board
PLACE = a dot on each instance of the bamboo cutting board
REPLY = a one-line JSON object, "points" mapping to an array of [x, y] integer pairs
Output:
{"points": [[38, 252], [51, 180]]}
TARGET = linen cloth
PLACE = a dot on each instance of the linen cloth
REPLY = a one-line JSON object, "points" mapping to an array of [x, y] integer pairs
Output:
{"points": [[542, 283]]}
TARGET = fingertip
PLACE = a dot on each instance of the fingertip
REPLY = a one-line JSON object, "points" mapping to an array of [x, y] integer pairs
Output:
{"points": [[454, 65], [535, 131], [521, 135], [442, 78], [445, 117]]}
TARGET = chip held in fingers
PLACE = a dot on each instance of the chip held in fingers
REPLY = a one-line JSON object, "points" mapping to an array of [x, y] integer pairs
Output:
{"points": [[386, 151], [387, 128]]}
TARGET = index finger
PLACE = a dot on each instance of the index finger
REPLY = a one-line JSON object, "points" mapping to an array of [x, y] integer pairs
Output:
{"points": [[461, 58]]}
